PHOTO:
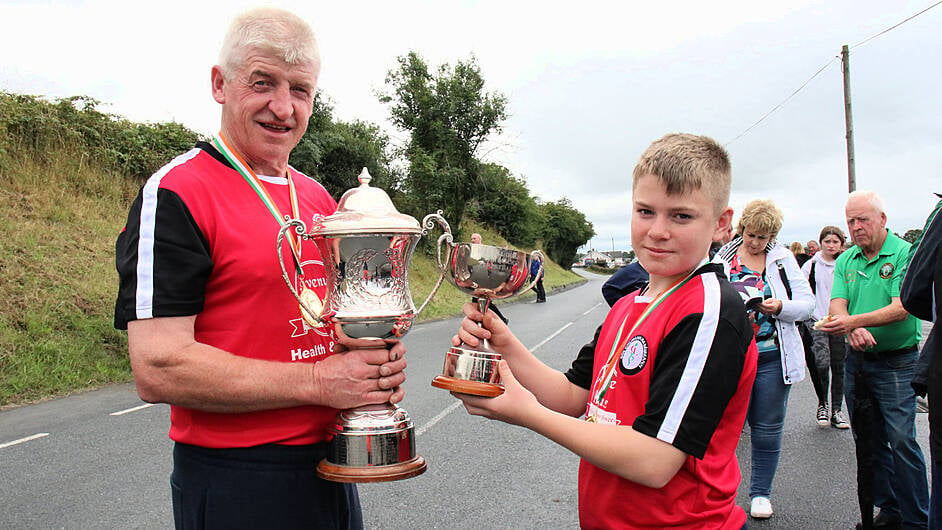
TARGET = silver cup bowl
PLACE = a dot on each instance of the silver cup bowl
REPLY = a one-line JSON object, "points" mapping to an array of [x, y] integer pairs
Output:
{"points": [[487, 273]]}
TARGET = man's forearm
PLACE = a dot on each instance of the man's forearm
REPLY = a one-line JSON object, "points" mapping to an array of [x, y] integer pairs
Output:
{"points": [[881, 317], [171, 367]]}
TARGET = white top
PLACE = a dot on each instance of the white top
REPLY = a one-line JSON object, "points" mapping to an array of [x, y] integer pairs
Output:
{"points": [[823, 281]]}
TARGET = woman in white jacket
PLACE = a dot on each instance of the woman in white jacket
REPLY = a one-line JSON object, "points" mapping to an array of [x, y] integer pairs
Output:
{"points": [[829, 350], [756, 260]]}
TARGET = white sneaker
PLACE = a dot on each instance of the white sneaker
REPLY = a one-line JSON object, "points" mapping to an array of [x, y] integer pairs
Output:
{"points": [[761, 508], [822, 415]]}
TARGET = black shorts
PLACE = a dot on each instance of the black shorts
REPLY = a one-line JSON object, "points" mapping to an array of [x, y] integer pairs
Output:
{"points": [[269, 486]]}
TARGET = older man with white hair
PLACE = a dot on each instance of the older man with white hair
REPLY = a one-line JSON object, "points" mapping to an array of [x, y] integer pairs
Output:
{"points": [[212, 329], [882, 342]]}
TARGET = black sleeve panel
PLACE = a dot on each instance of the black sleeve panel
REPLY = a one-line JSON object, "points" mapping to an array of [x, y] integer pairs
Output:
{"points": [[580, 373], [714, 385], [924, 258], [180, 267]]}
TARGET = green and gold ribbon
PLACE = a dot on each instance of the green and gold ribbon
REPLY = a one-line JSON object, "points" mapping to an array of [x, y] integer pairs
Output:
{"points": [[251, 178], [604, 379]]}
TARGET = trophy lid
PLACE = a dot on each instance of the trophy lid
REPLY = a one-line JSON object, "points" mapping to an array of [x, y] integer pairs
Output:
{"points": [[365, 209]]}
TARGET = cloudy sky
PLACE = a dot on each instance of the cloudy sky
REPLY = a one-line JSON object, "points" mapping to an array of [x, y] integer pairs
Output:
{"points": [[590, 85]]}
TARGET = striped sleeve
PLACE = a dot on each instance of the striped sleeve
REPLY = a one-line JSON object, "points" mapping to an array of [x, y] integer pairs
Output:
{"points": [[697, 371], [162, 257]]}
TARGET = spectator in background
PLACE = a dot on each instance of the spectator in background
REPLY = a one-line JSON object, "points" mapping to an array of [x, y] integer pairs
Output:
{"points": [[755, 261], [799, 251], [882, 339], [812, 248], [829, 350], [536, 272], [921, 295], [626, 280]]}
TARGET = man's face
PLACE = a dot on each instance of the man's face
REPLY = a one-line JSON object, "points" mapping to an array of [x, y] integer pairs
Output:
{"points": [[476, 239], [865, 224], [812, 248], [672, 233], [266, 105]]}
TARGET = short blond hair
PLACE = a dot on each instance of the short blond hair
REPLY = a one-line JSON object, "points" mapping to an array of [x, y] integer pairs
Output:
{"points": [[687, 162], [762, 216], [270, 30]]}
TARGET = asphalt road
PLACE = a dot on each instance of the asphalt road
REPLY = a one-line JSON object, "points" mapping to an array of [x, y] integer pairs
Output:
{"points": [[102, 459]]}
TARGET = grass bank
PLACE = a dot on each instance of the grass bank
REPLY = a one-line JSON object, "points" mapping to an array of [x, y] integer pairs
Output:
{"points": [[58, 221]]}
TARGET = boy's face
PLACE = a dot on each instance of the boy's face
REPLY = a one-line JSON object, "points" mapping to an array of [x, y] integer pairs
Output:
{"points": [[670, 234]]}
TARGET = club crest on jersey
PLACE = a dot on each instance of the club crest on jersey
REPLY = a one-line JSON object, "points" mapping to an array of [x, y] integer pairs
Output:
{"points": [[634, 356], [886, 271]]}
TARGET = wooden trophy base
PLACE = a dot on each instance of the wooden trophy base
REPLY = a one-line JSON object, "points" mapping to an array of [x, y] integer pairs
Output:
{"points": [[463, 386], [400, 471]]}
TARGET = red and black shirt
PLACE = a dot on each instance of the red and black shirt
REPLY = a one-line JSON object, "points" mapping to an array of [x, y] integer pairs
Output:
{"points": [[199, 241], [684, 377]]}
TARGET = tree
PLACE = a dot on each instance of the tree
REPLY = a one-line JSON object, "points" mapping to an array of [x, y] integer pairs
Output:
{"points": [[335, 152], [912, 234], [564, 231], [448, 116], [506, 204]]}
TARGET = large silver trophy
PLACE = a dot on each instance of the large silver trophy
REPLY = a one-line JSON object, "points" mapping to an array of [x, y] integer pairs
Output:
{"points": [[486, 273], [366, 246]]}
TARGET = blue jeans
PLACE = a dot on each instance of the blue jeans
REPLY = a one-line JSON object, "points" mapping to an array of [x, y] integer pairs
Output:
{"points": [[766, 419], [900, 487]]}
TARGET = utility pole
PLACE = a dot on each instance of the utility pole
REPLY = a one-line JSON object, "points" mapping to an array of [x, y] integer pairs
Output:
{"points": [[848, 120]]}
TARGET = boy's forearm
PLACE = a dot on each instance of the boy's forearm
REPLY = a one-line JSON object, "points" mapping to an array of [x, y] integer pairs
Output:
{"points": [[618, 449], [550, 386]]}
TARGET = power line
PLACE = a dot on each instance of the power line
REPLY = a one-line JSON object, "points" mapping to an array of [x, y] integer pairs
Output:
{"points": [[799, 89], [861, 43], [780, 105]]}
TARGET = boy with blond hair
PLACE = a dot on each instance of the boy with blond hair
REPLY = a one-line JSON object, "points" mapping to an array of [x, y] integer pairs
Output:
{"points": [[665, 384]]}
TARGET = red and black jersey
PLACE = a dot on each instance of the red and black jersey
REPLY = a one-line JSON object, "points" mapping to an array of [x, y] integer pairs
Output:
{"points": [[199, 241], [684, 377]]}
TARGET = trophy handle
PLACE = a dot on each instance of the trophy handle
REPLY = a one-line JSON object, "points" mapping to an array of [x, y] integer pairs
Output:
{"points": [[535, 254], [428, 224], [301, 230]]}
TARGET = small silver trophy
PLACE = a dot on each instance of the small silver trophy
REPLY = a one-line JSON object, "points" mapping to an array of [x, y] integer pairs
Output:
{"points": [[366, 246], [487, 273]]}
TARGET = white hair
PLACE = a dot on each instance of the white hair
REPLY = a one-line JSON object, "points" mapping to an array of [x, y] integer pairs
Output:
{"points": [[870, 197], [271, 30]]}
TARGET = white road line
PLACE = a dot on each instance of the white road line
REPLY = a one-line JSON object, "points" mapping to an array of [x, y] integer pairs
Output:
{"points": [[451, 408], [591, 309], [132, 409], [21, 440], [547, 339]]}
